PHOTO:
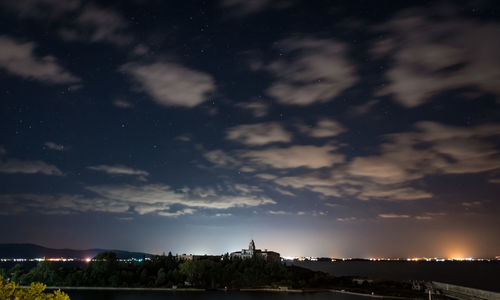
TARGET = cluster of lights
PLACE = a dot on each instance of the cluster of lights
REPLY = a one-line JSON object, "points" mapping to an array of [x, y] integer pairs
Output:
{"points": [[434, 259], [300, 258], [38, 259], [63, 259]]}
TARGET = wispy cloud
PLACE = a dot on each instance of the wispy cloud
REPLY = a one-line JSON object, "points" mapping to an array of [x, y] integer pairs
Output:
{"points": [[347, 219], [259, 134], [259, 109], [121, 103], [13, 166], [185, 211], [393, 216], [56, 147], [277, 212], [323, 128], [119, 170], [141, 199], [157, 197], [221, 159], [295, 156]]}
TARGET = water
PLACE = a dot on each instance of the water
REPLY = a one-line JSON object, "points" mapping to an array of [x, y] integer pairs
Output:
{"points": [[481, 275], [211, 295]]}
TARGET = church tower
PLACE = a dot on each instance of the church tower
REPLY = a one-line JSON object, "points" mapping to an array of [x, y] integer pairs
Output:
{"points": [[251, 247]]}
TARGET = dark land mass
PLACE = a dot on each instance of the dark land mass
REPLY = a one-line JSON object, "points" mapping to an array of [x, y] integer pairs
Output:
{"points": [[205, 272], [36, 251]]}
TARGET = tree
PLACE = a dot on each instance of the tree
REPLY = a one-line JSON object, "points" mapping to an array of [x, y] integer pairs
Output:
{"points": [[16, 272], [161, 277], [101, 269], [43, 272], [13, 291]]}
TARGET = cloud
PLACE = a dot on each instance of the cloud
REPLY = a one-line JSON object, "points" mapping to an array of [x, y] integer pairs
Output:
{"points": [[171, 84], [58, 204], [313, 157], [185, 211], [18, 58], [432, 55], [364, 108], [159, 197], [246, 189], [223, 215], [472, 203], [429, 149], [184, 138], [221, 159], [341, 184], [123, 103], [266, 176], [491, 180], [247, 169], [277, 212], [13, 166], [97, 24], [324, 128], [140, 50], [259, 109], [347, 219], [2, 151], [430, 215], [142, 199], [240, 8], [56, 147], [259, 134], [41, 8], [393, 216], [284, 192], [314, 71], [432, 148], [392, 193], [118, 170]]}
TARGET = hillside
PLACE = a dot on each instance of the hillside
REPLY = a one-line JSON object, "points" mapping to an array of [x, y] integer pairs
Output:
{"points": [[35, 251]]}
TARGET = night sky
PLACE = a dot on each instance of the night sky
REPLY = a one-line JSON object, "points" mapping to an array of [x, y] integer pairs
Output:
{"points": [[317, 128]]}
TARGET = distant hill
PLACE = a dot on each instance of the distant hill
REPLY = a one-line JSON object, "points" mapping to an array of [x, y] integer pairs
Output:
{"points": [[35, 251]]}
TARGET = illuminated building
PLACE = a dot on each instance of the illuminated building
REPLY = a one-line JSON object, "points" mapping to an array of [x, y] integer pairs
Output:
{"points": [[251, 251]]}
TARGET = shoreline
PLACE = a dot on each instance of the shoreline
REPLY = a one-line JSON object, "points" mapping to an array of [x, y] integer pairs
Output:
{"points": [[105, 288], [97, 288], [367, 295]]}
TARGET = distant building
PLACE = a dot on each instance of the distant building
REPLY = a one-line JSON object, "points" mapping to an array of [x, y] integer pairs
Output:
{"points": [[251, 251]]}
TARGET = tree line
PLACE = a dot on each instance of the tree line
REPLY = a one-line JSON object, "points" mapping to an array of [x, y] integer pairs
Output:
{"points": [[168, 271]]}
